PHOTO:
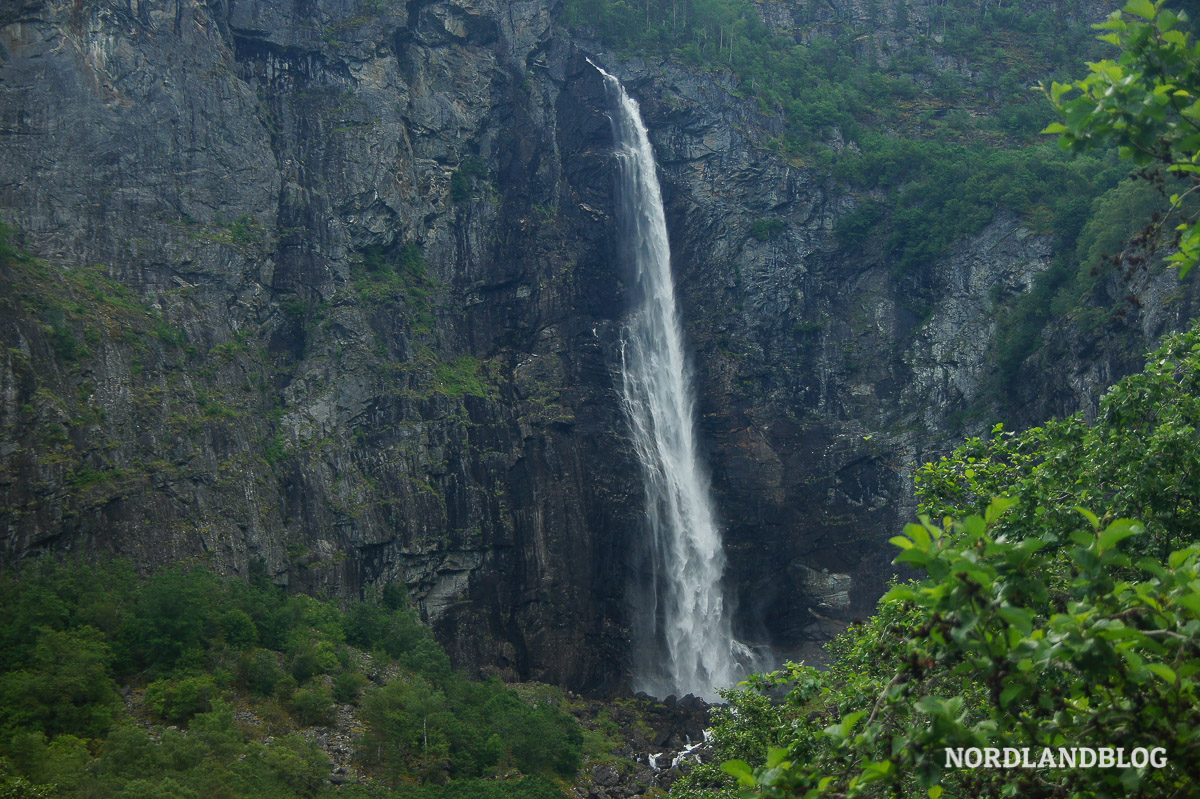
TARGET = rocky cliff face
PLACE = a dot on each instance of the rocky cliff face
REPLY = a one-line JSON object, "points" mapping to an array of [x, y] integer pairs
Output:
{"points": [[827, 377], [329, 288], [326, 288]]}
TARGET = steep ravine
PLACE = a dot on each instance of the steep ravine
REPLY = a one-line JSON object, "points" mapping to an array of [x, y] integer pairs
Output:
{"points": [[327, 288]]}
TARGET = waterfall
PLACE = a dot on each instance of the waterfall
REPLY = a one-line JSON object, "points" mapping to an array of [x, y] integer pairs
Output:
{"points": [[683, 638]]}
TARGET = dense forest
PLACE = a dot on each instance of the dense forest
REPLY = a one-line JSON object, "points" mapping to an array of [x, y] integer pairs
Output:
{"points": [[228, 671], [1060, 598]]}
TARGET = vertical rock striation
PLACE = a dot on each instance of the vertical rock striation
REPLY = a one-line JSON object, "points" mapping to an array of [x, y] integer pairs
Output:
{"points": [[327, 289], [324, 290]]}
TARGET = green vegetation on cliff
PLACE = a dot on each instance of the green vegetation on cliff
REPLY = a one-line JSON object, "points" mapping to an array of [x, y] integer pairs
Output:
{"points": [[842, 65], [1048, 617], [1062, 609], [187, 684], [1144, 105], [929, 115], [937, 108]]}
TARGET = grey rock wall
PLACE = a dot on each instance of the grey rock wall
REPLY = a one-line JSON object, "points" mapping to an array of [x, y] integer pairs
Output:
{"points": [[338, 276], [329, 288]]}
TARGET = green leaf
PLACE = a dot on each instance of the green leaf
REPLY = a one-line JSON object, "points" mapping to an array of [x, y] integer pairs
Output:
{"points": [[739, 770], [931, 705], [1153, 566], [1028, 547], [1082, 538], [901, 541], [1176, 558], [1164, 672], [998, 507], [1143, 8], [775, 756], [974, 526], [919, 535], [1091, 517], [1020, 618], [935, 792], [1010, 693], [899, 593], [914, 556], [1191, 602], [876, 771], [849, 721], [1118, 531]]}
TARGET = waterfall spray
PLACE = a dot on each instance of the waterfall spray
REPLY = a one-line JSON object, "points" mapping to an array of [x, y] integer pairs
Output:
{"points": [[683, 638]]}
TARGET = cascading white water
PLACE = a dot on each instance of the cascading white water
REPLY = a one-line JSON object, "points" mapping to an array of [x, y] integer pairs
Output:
{"points": [[683, 637]]}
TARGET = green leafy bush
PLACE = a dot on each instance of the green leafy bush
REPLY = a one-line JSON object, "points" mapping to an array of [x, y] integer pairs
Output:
{"points": [[348, 686], [313, 705], [1039, 623], [169, 626], [1011, 642], [467, 729], [461, 178], [180, 699], [63, 686], [1139, 458], [259, 671], [766, 229], [237, 628]]}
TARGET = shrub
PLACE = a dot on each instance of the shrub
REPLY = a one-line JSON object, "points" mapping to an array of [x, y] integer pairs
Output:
{"points": [[298, 763], [237, 628], [766, 229], [312, 705], [63, 687], [460, 179], [182, 698], [348, 685], [258, 670], [1009, 642]]}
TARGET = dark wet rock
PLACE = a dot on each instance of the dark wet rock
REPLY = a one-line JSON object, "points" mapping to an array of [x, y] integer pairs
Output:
{"points": [[215, 363]]}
